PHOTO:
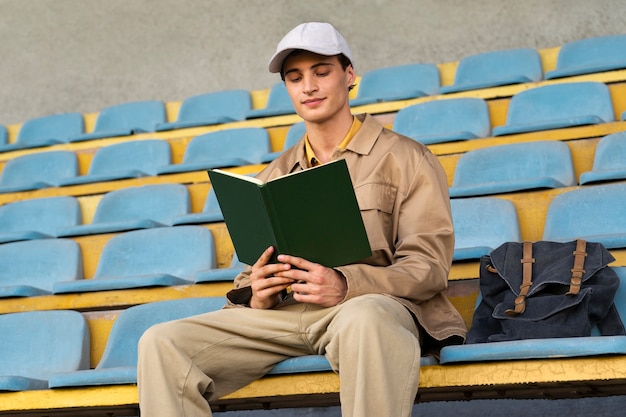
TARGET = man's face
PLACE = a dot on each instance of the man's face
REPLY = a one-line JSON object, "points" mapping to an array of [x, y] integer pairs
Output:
{"points": [[318, 85]]}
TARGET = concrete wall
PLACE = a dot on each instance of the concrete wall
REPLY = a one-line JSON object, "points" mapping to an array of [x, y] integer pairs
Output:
{"points": [[83, 55]]}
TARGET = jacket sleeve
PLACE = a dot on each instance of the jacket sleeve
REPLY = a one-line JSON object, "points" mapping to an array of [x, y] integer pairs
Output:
{"points": [[417, 261]]}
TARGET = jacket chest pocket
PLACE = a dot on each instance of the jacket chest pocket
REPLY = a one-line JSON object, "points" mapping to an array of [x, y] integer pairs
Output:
{"points": [[376, 202]]}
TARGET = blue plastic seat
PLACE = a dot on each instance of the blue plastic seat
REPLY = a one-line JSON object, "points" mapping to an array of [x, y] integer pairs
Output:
{"points": [[319, 363], [132, 159], [223, 148], [444, 120], [47, 130], [126, 119], [609, 161], [37, 170], [221, 274], [585, 56], [3, 137], [595, 213], [143, 207], [566, 347], [118, 364], [496, 68], [31, 267], [558, 106], [210, 109], [37, 344], [37, 218], [162, 256], [294, 134], [513, 167], [278, 103], [211, 212], [399, 82], [481, 224]]}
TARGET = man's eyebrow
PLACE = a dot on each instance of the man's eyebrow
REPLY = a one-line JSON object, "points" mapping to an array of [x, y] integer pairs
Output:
{"points": [[316, 65]]}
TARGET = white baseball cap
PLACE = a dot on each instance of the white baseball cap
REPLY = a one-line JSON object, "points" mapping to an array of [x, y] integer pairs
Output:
{"points": [[318, 37]]}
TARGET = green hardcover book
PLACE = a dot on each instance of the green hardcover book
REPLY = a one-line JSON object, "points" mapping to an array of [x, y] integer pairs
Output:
{"points": [[312, 214]]}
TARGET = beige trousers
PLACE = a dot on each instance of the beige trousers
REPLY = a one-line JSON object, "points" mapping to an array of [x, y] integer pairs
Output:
{"points": [[371, 341]]}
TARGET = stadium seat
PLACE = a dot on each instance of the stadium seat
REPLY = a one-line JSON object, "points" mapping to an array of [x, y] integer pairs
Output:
{"points": [[118, 364], [481, 224], [294, 134], [566, 347], [609, 161], [132, 159], [161, 256], [444, 120], [399, 82], [37, 218], [126, 119], [210, 109], [278, 103], [595, 213], [513, 167], [220, 274], [143, 207], [319, 363], [211, 212], [223, 148], [496, 68], [31, 267], [3, 137], [37, 170], [36, 344], [558, 106], [591, 55], [47, 130]]}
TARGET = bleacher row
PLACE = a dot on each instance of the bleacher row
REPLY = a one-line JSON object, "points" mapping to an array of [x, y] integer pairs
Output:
{"points": [[123, 230]]}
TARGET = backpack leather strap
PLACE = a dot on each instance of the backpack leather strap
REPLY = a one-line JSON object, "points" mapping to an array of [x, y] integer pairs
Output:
{"points": [[527, 272], [580, 254]]}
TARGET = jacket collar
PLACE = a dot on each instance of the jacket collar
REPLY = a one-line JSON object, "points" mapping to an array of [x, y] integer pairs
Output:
{"points": [[361, 144]]}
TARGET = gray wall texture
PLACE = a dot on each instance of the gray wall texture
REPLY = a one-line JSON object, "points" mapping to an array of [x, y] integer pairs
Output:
{"points": [[83, 55]]}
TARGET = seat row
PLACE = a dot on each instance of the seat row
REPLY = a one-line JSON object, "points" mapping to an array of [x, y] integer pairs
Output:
{"points": [[146, 253], [50, 349], [399, 82], [483, 171]]}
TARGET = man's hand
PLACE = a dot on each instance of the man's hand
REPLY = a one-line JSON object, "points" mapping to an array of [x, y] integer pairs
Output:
{"points": [[266, 282], [313, 283]]}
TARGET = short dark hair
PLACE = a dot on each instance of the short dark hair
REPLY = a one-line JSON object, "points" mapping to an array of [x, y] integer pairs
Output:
{"points": [[344, 61]]}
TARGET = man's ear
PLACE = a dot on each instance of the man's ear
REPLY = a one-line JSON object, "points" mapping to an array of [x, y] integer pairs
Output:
{"points": [[350, 76]]}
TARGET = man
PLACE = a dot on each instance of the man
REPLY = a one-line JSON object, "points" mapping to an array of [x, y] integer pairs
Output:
{"points": [[372, 320]]}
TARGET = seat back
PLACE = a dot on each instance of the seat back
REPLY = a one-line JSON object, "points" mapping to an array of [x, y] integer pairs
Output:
{"points": [[40, 263], [595, 213], [278, 98], [121, 348], [597, 54], [36, 344], [158, 202], [45, 215], [247, 143], [496, 68], [231, 104], [609, 161], [3, 135], [178, 251], [513, 167], [39, 170], [140, 155], [482, 224], [398, 82], [138, 116], [50, 129], [444, 120], [557, 106]]}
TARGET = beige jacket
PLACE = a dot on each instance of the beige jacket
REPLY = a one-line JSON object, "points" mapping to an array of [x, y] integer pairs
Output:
{"points": [[402, 192]]}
